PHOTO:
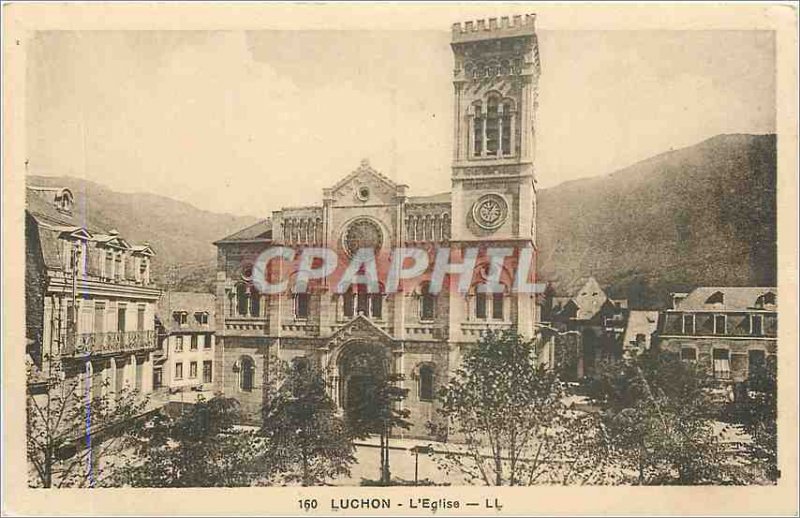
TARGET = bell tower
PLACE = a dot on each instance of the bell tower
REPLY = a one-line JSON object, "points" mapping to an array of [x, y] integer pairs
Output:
{"points": [[495, 80]]}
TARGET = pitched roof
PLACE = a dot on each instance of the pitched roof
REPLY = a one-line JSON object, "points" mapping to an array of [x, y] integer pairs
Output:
{"points": [[442, 197], [640, 322], [191, 303], [257, 232], [733, 298], [589, 299], [53, 223], [45, 212]]}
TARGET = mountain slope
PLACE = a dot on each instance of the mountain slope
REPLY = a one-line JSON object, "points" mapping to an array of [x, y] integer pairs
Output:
{"points": [[180, 233], [702, 215]]}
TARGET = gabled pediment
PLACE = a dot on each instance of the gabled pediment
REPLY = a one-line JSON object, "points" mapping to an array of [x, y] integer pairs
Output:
{"points": [[143, 250], [360, 328], [365, 186], [72, 232]]}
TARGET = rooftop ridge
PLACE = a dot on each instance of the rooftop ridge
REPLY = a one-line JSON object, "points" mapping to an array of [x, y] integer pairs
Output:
{"points": [[477, 28]]}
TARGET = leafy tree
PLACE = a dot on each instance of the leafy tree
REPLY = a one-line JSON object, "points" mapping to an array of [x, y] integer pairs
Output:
{"points": [[509, 413], [198, 448], [73, 433], [660, 420], [378, 411], [757, 412], [306, 438]]}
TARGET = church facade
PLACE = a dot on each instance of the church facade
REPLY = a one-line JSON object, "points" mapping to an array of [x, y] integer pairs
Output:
{"points": [[414, 332]]}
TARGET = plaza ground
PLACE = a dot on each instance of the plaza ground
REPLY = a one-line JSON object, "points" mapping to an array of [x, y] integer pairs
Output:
{"points": [[401, 463]]}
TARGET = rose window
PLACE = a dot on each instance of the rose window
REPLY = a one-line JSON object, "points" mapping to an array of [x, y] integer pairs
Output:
{"points": [[362, 233]]}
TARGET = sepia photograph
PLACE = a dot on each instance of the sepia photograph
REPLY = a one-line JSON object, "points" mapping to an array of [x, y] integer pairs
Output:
{"points": [[487, 249]]}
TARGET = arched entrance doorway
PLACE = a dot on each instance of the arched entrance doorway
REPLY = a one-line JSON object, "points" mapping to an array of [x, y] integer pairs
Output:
{"points": [[362, 366]]}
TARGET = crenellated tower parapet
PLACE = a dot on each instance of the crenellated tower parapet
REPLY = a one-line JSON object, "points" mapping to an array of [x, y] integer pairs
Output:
{"points": [[490, 29]]}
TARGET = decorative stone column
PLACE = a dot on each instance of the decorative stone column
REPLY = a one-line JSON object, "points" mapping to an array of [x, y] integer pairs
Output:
{"points": [[500, 130]]}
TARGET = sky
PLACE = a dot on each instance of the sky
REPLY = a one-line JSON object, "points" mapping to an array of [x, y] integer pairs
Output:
{"points": [[247, 122]]}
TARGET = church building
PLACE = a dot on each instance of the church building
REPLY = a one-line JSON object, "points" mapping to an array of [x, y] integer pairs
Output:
{"points": [[420, 335]]}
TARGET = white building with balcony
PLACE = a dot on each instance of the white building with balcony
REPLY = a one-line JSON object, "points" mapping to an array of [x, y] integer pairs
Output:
{"points": [[90, 300]]}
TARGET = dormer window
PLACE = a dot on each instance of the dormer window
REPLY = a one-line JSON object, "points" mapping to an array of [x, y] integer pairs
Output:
{"points": [[180, 317], [64, 201], [716, 298], [767, 299]]}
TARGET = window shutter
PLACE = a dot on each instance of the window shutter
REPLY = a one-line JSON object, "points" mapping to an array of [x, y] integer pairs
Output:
{"points": [[130, 268], [93, 262]]}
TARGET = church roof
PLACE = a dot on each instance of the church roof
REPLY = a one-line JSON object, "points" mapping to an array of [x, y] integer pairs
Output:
{"points": [[442, 197], [261, 231]]}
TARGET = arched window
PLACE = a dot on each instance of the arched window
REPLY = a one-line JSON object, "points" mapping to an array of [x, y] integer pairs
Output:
{"points": [[247, 371], [497, 306], [255, 303], [318, 232], [301, 301], [241, 300], [490, 306], [492, 130], [445, 227], [480, 306], [376, 305], [348, 299], [427, 303], [426, 378], [359, 300], [362, 300]]}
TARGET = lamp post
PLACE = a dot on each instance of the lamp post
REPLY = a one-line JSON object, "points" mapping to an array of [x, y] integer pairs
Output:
{"points": [[416, 450]]}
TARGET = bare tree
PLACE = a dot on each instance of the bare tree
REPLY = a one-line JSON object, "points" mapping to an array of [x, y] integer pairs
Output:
{"points": [[74, 437]]}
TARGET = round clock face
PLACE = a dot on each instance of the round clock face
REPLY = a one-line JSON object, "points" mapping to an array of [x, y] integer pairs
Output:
{"points": [[362, 233], [490, 211]]}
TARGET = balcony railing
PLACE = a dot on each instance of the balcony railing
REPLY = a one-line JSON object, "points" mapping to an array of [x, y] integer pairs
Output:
{"points": [[106, 343]]}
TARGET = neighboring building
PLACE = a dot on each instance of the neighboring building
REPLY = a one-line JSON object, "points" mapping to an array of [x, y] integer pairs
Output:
{"points": [[639, 331], [90, 301], [413, 333], [186, 357], [599, 322], [729, 331]]}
